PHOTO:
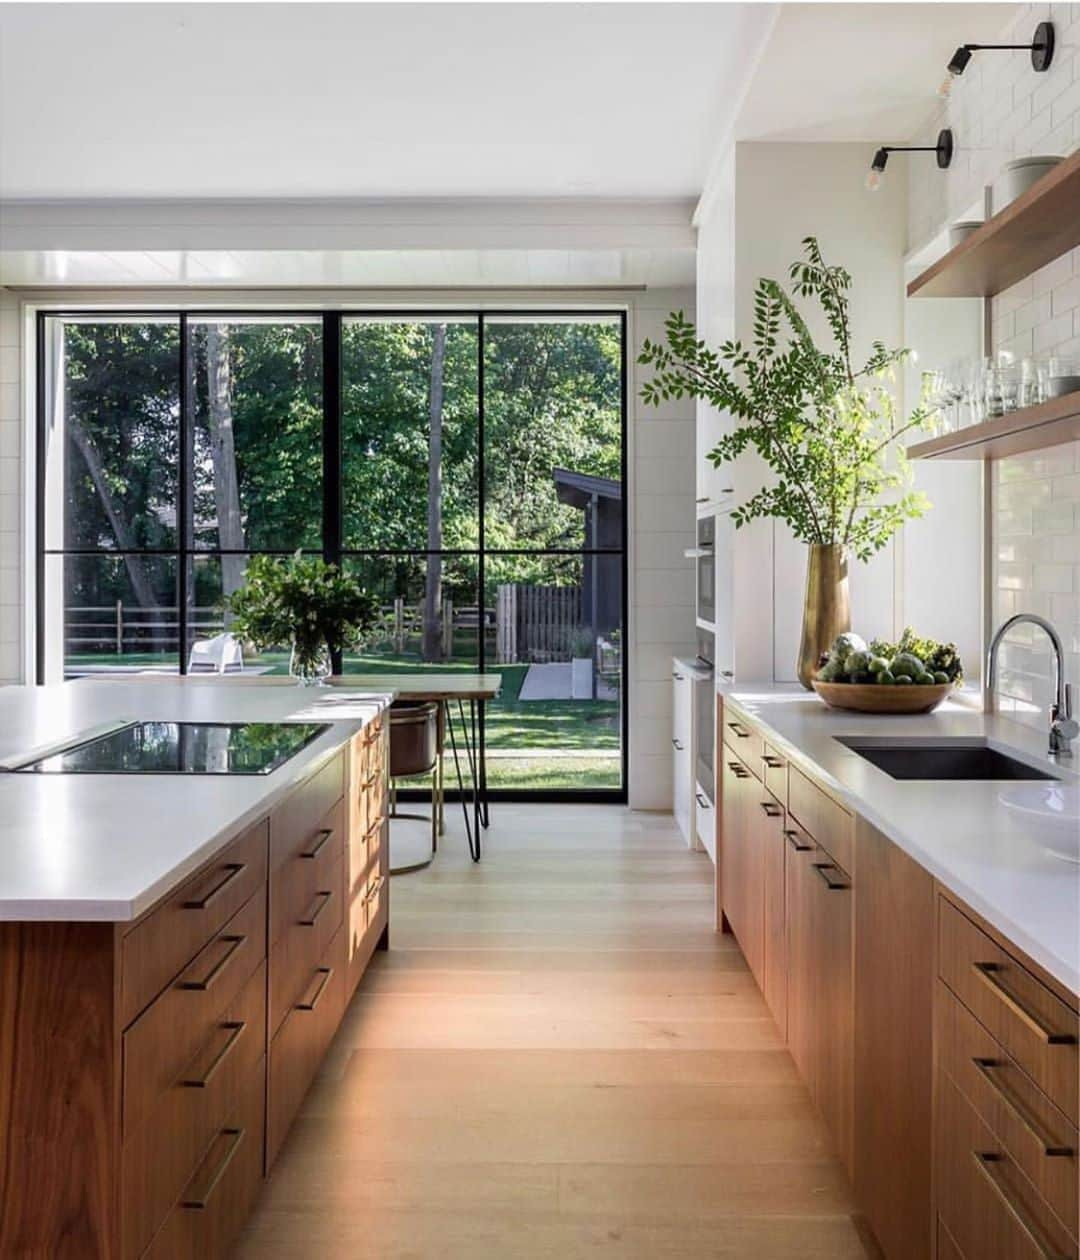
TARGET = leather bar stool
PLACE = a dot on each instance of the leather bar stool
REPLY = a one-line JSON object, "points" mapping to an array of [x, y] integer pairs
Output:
{"points": [[414, 752]]}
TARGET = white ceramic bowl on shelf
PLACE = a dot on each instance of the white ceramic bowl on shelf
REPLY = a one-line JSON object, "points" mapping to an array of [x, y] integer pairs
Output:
{"points": [[959, 232], [1018, 176]]}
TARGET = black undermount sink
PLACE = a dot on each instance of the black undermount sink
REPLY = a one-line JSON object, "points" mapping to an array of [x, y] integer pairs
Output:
{"points": [[943, 760]]}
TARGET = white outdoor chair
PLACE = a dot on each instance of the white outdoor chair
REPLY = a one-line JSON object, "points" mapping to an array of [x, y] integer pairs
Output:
{"points": [[218, 655]]}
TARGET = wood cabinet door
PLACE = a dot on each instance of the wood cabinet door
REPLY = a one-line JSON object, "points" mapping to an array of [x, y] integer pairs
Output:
{"points": [[742, 873], [832, 961], [800, 899], [769, 827]]}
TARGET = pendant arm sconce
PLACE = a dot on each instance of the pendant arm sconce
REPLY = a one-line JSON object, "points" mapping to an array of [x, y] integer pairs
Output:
{"points": [[1041, 49], [943, 149]]}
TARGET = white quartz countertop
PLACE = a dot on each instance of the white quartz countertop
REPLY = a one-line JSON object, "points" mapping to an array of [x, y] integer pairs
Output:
{"points": [[107, 847], [997, 858]]}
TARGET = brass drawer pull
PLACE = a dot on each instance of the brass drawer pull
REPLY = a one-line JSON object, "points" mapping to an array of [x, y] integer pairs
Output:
{"points": [[794, 839], [374, 890], [734, 726], [774, 763], [199, 1200], [317, 848], [231, 871], [375, 826], [1051, 1148], [831, 884], [986, 1162], [234, 943], [771, 810], [316, 998], [987, 973], [322, 899], [236, 1031], [371, 781]]}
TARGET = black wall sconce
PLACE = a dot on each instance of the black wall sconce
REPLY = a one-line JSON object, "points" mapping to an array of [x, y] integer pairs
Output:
{"points": [[1041, 49], [943, 149]]}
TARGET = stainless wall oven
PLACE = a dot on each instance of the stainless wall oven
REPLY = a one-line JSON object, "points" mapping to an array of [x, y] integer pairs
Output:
{"points": [[706, 568]]}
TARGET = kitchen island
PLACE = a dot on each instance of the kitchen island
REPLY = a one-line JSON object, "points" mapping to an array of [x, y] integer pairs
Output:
{"points": [[918, 943], [178, 950]]}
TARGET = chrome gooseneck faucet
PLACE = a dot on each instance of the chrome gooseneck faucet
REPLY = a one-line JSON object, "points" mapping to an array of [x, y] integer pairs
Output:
{"points": [[1063, 726]]}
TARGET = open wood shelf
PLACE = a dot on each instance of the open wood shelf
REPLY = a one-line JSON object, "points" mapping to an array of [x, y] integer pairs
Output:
{"points": [[1030, 232], [1030, 429]]}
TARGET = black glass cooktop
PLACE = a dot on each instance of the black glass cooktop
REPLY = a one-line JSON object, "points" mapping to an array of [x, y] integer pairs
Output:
{"points": [[183, 748]]}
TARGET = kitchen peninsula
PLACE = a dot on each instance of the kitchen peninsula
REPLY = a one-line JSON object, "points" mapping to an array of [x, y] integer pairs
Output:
{"points": [[178, 950]]}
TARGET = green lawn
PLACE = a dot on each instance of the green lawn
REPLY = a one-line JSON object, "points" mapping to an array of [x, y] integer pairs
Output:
{"points": [[551, 726]]}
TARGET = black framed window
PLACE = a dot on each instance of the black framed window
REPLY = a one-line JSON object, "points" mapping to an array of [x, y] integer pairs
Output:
{"points": [[468, 465]]}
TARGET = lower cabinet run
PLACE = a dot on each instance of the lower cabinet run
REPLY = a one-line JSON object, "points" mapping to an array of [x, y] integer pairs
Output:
{"points": [[149, 1072], [943, 1062]]}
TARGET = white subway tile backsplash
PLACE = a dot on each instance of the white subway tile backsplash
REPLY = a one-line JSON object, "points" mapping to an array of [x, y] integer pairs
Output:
{"points": [[1053, 333], [1054, 578]]}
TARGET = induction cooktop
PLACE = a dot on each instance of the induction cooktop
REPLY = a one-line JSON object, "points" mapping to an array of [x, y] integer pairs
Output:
{"points": [[182, 748]]}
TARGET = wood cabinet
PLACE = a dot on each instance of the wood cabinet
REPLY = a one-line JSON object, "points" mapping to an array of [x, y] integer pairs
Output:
{"points": [[742, 868], [149, 1071]]}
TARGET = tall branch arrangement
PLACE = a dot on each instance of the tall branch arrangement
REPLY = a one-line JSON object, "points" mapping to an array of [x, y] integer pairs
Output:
{"points": [[828, 431]]}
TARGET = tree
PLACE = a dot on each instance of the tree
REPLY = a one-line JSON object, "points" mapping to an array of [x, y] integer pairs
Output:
{"points": [[230, 528], [432, 635]]}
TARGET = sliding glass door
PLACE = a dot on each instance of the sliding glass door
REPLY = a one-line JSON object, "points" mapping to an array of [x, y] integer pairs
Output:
{"points": [[467, 466]]}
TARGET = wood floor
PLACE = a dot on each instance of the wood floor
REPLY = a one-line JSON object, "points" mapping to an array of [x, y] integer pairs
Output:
{"points": [[557, 1058]]}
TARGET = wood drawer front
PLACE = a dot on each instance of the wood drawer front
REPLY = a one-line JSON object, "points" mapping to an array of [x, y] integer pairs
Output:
{"points": [[301, 1043], [219, 1196], [162, 944], [989, 1207], [190, 1113], [774, 767], [946, 1245], [365, 856], [309, 869], [744, 740], [830, 825], [297, 819], [1037, 1136], [1035, 1026], [161, 1043], [296, 952]]}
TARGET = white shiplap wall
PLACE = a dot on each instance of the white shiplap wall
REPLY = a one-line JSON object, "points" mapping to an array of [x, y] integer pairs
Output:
{"points": [[1001, 109], [11, 506]]}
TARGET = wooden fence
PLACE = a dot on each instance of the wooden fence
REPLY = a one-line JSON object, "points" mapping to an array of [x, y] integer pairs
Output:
{"points": [[536, 623]]}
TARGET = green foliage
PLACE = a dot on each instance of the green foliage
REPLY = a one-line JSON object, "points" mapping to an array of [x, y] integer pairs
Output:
{"points": [[302, 601], [827, 431]]}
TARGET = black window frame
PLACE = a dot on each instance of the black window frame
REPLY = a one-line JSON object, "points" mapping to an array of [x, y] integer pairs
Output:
{"points": [[332, 549]]}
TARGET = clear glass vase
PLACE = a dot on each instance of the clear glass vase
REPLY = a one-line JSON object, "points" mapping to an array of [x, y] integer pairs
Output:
{"points": [[309, 663]]}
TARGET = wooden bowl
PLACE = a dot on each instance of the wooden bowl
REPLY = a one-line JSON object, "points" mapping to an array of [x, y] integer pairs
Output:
{"points": [[871, 698]]}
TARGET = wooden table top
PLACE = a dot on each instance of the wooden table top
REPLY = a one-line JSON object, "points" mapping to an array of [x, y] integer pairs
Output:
{"points": [[433, 686]]}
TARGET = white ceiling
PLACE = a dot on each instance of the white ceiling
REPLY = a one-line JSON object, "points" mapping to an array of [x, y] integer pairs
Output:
{"points": [[367, 100], [836, 72]]}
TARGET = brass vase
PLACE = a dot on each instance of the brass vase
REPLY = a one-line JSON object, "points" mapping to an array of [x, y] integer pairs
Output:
{"points": [[827, 608]]}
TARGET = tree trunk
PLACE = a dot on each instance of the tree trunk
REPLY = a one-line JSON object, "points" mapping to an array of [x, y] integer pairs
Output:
{"points": [[223, 456], [134, 563], [432, 636]]}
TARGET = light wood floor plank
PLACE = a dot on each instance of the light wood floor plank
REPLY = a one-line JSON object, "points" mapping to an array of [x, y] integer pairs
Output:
{"points": [[558, 1058]]}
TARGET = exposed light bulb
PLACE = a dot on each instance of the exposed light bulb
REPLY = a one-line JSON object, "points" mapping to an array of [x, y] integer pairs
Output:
{"points": [[873, 180]]}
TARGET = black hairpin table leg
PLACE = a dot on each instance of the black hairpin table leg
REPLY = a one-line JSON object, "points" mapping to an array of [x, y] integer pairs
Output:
{"points": [[468, 740]]}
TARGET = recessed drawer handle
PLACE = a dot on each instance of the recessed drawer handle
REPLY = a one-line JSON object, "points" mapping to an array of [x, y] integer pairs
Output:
{"points": [[677, 677], [236, 1031], [317, 847], [986, 1162], [987, 973], [676, 745], [230, 873], [373, 891], [794, 840], [234, 943], [703, 801], [774, 763], [370, 781], [322, 901], [734, 726], [311, 1003], [831, 884], [740, 772], [771, 810], [375, 826], [1050, 1147], [198, 1200]]}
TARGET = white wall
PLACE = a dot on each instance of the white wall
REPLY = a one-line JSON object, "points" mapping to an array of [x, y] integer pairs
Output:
{"points": [[662, 579], [11, 504], [783, 192], [1001, 109]]}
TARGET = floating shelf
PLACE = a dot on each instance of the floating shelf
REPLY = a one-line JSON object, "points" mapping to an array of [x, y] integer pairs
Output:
{"points": [[1030, 429], [1031, 231]]}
